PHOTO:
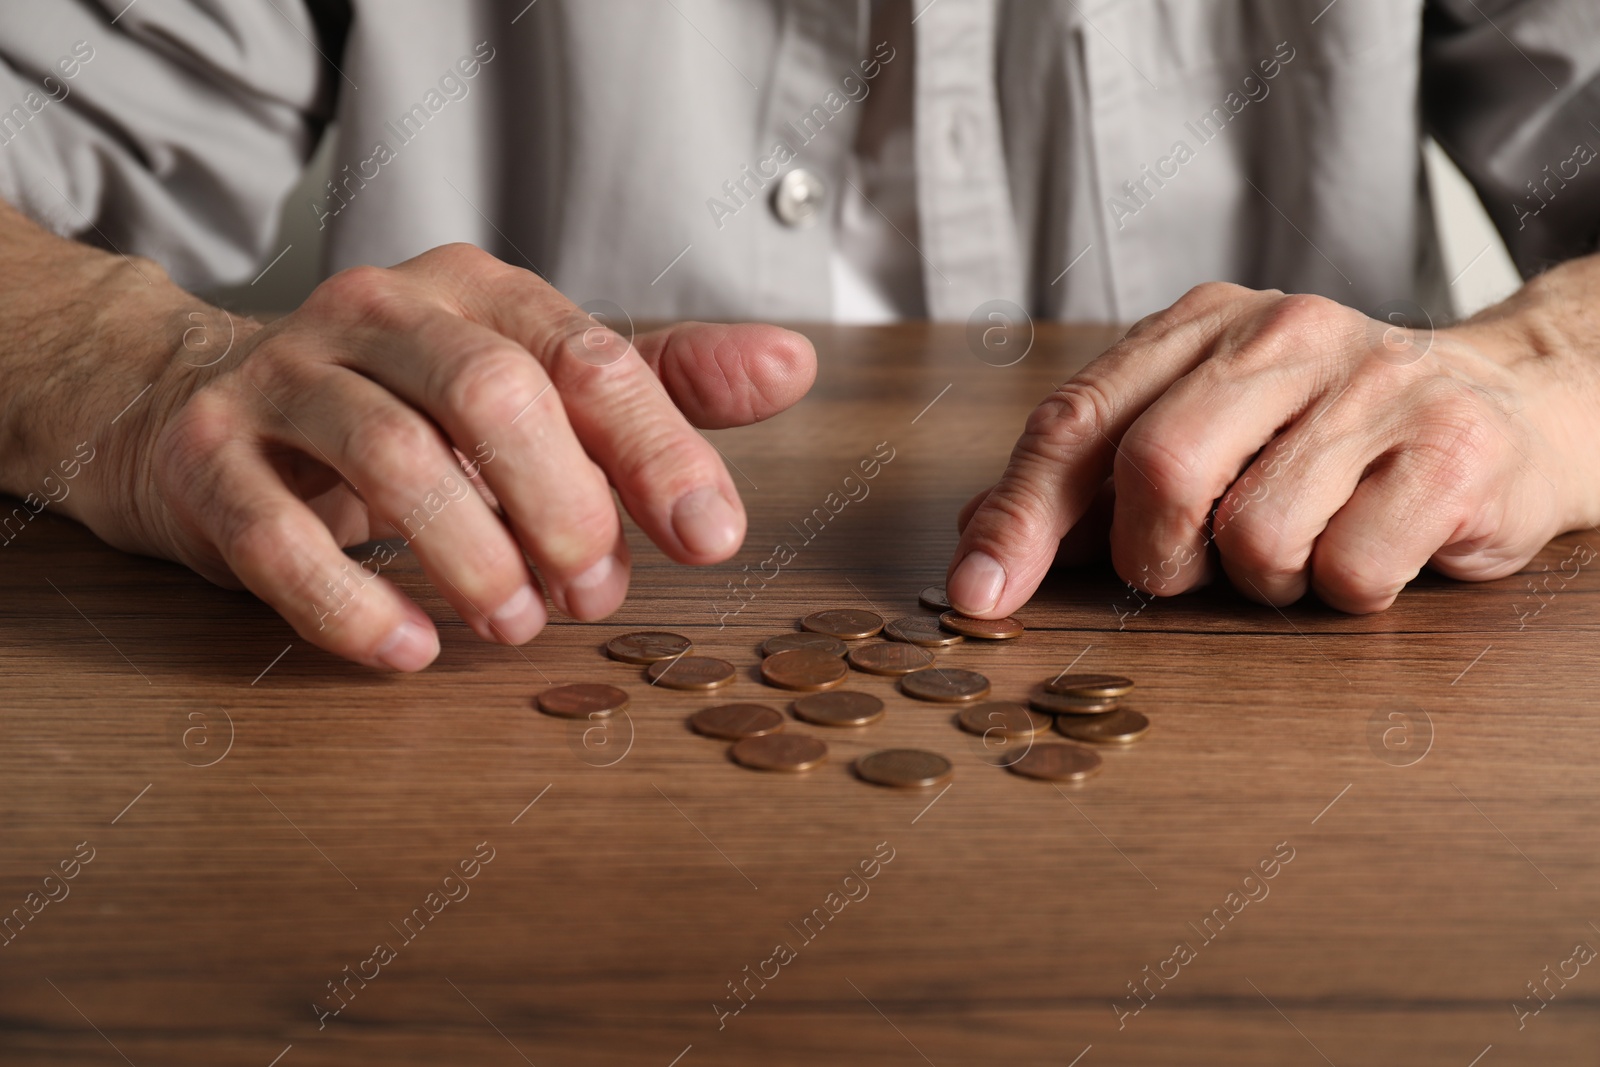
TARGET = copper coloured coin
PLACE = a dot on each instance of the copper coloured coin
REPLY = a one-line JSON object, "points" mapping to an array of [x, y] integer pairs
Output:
{"points": [[582, 701], [734, 722], [847, 624], [945, 685], [1002, 718], [921, 630], [691, 672], [1090, 685], [821, 642], [882, 657], [803, 669], [988, 629], [1121, 727], [779, 752], [1041, 699], [905, 768], [647, 646], [841, 707], [934, 599], [1057, 763]]}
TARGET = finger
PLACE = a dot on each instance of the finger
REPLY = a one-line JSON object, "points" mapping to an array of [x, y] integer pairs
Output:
{"points": [[734, 375], [407, 474], [1089, 540], [1065, 453], [346, 516], [1267, 523], [1399, 516], [223, 487], [499, 407], [1454, 492], [669, 477], [970, 508], [1086, 542], [1191, 444]]}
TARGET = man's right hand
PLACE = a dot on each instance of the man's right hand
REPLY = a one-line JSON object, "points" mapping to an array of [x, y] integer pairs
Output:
{"points": [[453, 400]]}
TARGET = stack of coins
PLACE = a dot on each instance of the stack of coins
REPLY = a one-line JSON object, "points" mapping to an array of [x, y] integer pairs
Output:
{"points": [[1087, 708]]}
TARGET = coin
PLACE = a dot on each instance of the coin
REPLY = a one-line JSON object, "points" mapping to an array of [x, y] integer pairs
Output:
{"points": [[647, 646], [1121, 727], [839, 708], [988, 629], [945, 685], [805, 669], [821, 642], [847, 624], [905, 768], [582, 701], [1090, 685], [881, 657], [691, 672], [779, 752], [921, 630], [1002, 718], [733, 722], [933, 598], [1041, 699], [1057, 763]]}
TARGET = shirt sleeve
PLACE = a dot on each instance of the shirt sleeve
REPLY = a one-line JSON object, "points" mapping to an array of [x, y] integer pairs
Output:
{"points": [[1511, 90], [170, 128]]}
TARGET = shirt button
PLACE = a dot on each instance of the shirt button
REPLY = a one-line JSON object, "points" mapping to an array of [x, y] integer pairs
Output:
{"points": [[798, 198]]}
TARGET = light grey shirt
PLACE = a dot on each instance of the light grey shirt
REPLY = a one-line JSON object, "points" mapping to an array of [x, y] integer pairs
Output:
{"points": [[1086, 159]]}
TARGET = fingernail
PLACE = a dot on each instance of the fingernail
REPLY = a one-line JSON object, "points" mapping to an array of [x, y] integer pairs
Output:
{"points": [[705, 522], [519, 618], [593, 594], [975, 586], [409, 647]]}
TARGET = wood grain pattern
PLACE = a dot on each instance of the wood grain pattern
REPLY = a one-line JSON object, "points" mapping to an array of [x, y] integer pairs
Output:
{"points": [[615, 911]]}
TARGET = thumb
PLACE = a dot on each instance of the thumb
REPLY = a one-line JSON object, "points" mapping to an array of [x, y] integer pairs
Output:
{"points": [[729, 375]]}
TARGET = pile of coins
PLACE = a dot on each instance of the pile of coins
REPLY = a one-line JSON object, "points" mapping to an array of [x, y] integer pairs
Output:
{"points": [[818, 659]]}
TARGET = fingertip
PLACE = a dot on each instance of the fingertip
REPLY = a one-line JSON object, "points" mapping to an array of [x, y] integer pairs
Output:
{"points": [[600, 590], [975, 583], [731, 375], [708, 525], [518, 619], [409, 647], [780, 366]]}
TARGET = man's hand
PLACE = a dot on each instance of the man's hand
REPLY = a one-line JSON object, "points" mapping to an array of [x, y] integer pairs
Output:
{"points": [[1305, 446], [453, 400]]}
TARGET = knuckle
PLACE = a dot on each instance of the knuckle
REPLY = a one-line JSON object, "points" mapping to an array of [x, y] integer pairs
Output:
{"points": [[589, 529], [1355, 581], [392, 445], [1300, 313], [492, 278], [364, 294], [493, 387], [1293, 327], [676, 461], [263, 539], [463, 257], [1171, 469], [1071, 415], [1454, 430], [1204, 297], [1016, 515], [1254, 545]]}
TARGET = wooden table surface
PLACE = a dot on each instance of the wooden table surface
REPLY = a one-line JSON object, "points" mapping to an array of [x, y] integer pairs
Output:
{"points": [[260, 819]]}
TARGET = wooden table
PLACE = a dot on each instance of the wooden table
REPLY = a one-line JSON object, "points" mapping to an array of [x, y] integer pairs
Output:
{"points": [[261, 816]]}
